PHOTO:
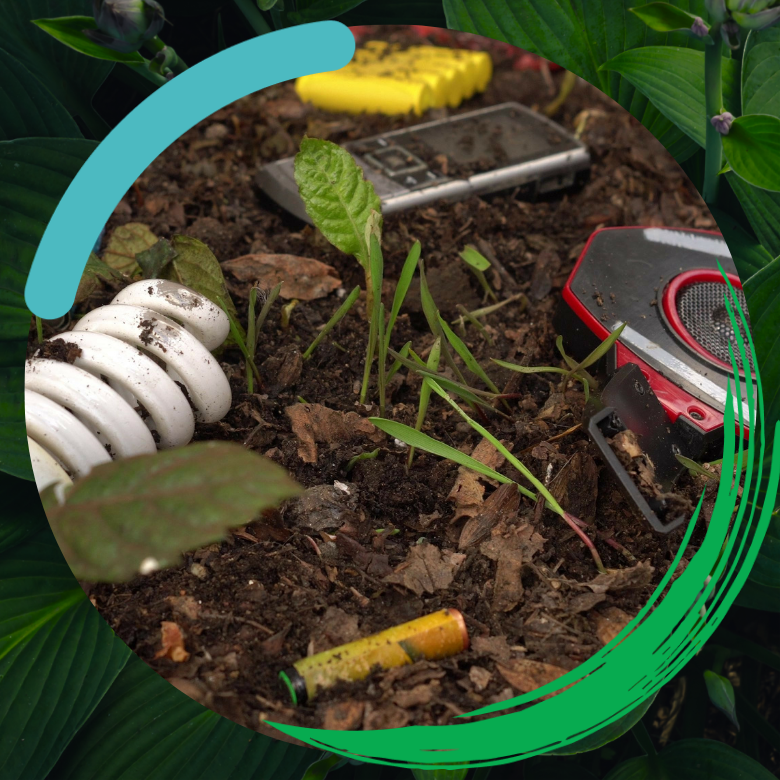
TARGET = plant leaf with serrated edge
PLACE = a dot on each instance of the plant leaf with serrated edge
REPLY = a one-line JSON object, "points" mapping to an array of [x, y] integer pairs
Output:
{"points": [[153, 260], [69, 30], [337, 197], [158, 506], [29, 109], [752, 148], [195, 266], [145, 728], [58, 657], [94, 271], [721, 693]]}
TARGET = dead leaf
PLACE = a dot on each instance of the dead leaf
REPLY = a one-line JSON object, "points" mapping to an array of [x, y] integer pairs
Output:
{"points": [[283, 369], [468, 490], [344, 716], [275, 644], [546, 266], [616, 580], [172, 640], [125, 243], [480, 678], [508, 589], [304, 278], [427, 569], [418, 696], [610, 621], [495, 646], [525, 675], [576, 485], [583, 602], [388, 716], [554, 407], [523, 538], [627, 442], [95, 271], [185, 605], [335, 628], [502, 504], [312, 423]]}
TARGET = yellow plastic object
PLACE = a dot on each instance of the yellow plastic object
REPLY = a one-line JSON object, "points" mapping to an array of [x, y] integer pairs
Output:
{"points": [[384, 79]]}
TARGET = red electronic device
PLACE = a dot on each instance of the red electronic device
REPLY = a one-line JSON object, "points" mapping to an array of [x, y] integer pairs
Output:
{"points": [[670, 368]]}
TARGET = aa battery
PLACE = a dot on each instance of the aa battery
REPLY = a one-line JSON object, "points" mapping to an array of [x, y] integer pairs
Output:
{"points": [[431, 637]]}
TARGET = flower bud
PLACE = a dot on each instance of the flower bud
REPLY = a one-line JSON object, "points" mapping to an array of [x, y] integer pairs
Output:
{"points": [[699, 28], [722, 122], [730, 33], [125, 25]]}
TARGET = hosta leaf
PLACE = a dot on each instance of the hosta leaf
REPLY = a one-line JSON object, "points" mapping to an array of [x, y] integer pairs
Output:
{"points": [[146, 728], [752, 148], [761, 72], [57, 658], [29, 109], [158, 506]]}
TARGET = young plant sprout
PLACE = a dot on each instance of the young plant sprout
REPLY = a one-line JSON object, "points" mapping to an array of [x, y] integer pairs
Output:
{"points": [[425, 393], [235, 331], [415, 438], [478, 263], [341, 312]]}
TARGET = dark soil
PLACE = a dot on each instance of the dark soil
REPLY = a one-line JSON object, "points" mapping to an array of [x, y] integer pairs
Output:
{"points": [[314, 575]]}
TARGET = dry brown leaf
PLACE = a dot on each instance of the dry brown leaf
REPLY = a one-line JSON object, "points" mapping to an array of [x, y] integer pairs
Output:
{"points": [[417, 696], [343, 716], [609, 621], [335, 628], [275, 644], [480, 678], [502, 505], [124, 244], [508, 589], [468, 491], [388, 716], [576, 485], [494, 646], [304, 278], [616, 580], [523, 538], [525, 675], [313, 423], [172, 640], [427, 569]]}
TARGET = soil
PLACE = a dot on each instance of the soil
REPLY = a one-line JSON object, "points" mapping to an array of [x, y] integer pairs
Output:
{"points": [[374, 546]]}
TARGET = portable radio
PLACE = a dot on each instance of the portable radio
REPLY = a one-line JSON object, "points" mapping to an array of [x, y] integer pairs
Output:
{"points": [[670, 368]]}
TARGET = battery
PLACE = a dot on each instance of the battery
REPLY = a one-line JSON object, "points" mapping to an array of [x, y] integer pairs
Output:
{"points": [[438, 635]]}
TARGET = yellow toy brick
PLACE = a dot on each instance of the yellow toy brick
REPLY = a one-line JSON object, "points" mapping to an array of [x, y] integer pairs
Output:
{"points": [[384, 79]]}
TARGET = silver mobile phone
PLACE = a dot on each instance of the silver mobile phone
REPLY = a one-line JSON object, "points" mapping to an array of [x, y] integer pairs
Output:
{"points": [[492, 149]]}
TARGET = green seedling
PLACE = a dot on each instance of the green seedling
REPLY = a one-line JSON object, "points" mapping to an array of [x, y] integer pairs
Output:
{"points": [[397, 364], [417, 439], [287, 313], [39, 329], [255, 325], [425, 393], [478, 263], [238, 337], [467, 315], [696, 469], [485, 310], [363, 456], [402, 288], [333, 321], [465, 355]]}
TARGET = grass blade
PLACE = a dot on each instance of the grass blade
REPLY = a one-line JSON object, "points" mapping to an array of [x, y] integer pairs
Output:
{"points": [[425, 392], [402, 288], [478, 264], [465, 355], [397, 365], [529, 369], [475, 322], [239, 339], [269, 302], [251, 338], [485, 310], [381, 378], [333, 321]]}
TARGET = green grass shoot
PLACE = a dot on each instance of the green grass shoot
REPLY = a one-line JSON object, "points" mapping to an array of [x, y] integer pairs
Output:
{"points": [[467, 315], [235, 331], [341, 312], [478, 263], [261, 318], [402, 288], [432, 364], [363, 456], [465, 355], [39, 329]]}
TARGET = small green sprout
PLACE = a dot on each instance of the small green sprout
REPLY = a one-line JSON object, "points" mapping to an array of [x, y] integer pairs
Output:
{"points": [[425, 393], [341, 312], [363, 456], [39, 329], [287, 313], [235, 331], [478, 263]]}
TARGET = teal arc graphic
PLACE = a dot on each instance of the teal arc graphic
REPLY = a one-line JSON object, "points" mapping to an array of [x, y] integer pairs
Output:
{"points": [[153, 126], [622, 676]]}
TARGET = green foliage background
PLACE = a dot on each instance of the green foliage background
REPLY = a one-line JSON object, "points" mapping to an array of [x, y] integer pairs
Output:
{"points": [[74, 702]]}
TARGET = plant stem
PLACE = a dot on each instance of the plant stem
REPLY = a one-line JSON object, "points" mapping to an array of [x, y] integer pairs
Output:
{"points": [[252, 14], [369, 359], [381, 381], [713, 96], [172, 60], [643, 738], [39, 329]]}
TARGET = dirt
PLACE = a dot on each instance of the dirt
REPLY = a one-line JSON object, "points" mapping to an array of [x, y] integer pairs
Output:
{"points": [[345, 565]]}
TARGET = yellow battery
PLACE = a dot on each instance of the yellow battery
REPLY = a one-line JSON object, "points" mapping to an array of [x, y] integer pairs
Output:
{"points": [[384, 79], [431, 637]]}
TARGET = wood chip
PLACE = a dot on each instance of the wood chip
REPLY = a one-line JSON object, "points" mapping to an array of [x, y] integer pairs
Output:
{"points": [[172, 639], [344, 716], [304, 278]]}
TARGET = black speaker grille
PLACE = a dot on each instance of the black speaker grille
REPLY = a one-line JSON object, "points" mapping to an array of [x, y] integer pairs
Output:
{"points": [[703, 312]]}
